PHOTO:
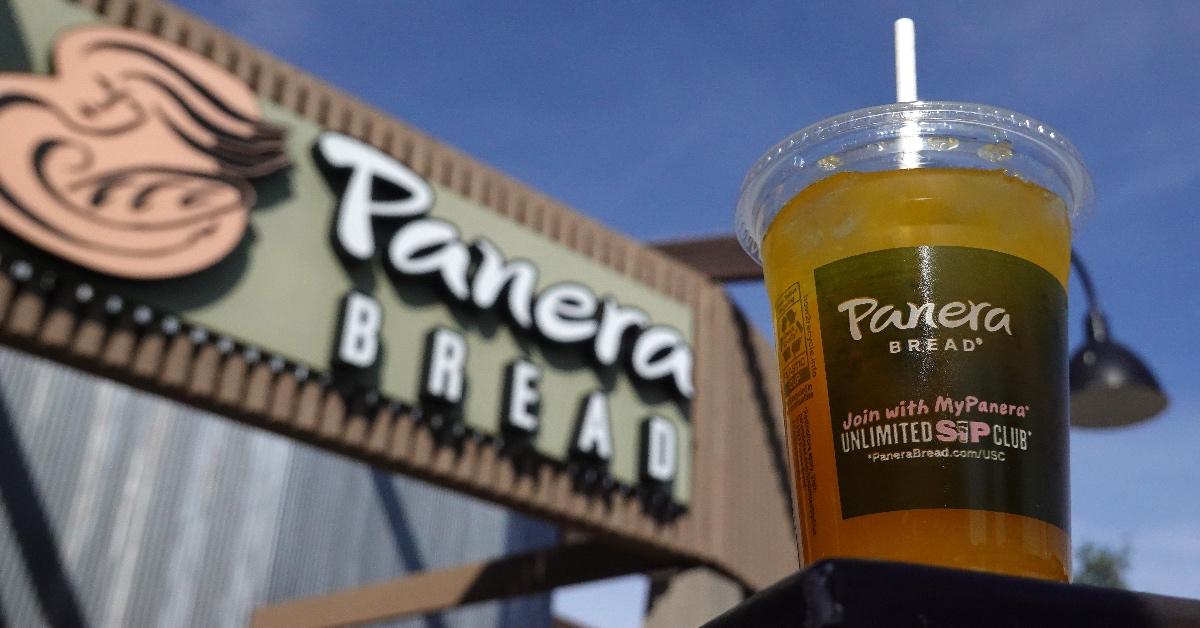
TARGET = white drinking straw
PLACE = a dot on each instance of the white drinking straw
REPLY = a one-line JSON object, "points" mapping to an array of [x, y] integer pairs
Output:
{"points": [[906, 60], [906, 91]]}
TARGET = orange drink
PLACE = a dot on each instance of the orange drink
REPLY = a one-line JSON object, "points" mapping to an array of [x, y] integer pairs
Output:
{"points": [[916, 257]]}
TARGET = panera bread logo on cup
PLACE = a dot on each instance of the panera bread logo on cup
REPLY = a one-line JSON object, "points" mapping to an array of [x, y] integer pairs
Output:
{"points": [[133, 158], [955, 314]]}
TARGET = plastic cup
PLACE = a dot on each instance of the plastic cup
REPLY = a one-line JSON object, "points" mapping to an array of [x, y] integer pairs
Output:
{"points": [[916, 256]]}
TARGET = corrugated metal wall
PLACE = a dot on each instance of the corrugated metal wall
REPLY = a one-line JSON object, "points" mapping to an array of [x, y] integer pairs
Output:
{"points": [[122, 509]]}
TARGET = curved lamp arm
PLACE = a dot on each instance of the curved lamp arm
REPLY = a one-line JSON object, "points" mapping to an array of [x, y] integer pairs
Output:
{"points": [[1096, 323]]}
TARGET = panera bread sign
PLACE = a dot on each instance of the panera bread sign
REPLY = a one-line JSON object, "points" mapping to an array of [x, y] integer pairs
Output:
{"points": [[138, 160]]}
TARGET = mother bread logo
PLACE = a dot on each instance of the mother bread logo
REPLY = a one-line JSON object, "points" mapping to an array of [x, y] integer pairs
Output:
{"points": [[133, 159]]}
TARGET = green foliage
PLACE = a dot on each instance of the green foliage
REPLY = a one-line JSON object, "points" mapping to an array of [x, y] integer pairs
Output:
{"points": [[1102, 566]]}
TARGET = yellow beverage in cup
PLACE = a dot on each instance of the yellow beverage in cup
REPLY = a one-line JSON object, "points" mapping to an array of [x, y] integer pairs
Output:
{"points": [[916, 257]]}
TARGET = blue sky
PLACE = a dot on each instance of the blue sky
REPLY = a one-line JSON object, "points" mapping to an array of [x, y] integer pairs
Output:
{"points": [[646, 116]]}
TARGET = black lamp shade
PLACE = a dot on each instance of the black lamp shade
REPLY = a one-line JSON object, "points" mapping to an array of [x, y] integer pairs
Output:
{"points": [[1110, 386]]}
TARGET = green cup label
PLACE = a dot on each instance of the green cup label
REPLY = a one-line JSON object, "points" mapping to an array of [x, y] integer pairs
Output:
{"points": [[947, 381]]}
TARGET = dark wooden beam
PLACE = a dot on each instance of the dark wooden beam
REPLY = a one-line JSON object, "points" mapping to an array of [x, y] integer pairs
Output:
{"points": [[433, 591], [719, 257]]}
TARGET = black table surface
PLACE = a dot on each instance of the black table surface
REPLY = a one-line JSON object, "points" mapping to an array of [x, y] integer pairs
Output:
{"points": [[852, 593]]}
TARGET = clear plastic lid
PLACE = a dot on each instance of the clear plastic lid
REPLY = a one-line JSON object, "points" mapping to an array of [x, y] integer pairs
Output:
{"points": [[931, 134]]}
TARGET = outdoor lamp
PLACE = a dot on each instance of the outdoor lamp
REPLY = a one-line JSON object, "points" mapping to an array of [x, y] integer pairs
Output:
{"points": [[1110, 386]]}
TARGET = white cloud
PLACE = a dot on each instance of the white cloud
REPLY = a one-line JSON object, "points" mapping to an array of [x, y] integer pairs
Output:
{"points": [[280, 26], [1166, 559], [1147, 181], [613, 603], [1136, 486]]}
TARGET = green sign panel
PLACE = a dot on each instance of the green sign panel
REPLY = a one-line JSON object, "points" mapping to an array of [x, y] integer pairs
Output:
{"points": [[946, 374]]}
